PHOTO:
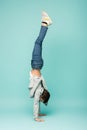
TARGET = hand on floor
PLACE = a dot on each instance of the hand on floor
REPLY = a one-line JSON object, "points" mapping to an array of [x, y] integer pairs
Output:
{"points": [[39, 120]]}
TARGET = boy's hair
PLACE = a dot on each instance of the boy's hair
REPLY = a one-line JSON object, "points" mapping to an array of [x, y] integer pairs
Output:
{"points": [[45, 96]]}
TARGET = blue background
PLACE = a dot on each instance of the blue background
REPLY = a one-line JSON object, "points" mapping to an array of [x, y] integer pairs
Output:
{"points": [[65, 68]]}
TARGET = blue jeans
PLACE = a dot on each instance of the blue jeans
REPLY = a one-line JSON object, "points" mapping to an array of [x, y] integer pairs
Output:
{"points": [[37, 61]]}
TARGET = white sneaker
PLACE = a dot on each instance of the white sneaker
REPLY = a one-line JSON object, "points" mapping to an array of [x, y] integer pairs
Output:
{"points": [[46, 18]]}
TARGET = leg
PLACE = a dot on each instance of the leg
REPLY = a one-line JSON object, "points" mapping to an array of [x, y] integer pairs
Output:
{"points": [[37, 60]]}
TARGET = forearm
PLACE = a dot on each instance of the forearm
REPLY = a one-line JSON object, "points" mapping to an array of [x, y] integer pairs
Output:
{"points": [[36, 108], [37, 113]]}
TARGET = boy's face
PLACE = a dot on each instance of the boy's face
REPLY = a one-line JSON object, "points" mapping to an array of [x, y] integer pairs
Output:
{"points": [[41, 99]]}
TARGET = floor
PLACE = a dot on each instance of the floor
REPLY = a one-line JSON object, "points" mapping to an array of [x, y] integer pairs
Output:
{"points": [[57, 118]]}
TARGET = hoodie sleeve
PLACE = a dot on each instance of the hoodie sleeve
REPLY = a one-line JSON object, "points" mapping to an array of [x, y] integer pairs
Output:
{"points": [[36, 106], [38, 92]]}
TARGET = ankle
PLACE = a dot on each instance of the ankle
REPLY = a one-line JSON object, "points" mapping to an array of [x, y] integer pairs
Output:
{"points": [[43, 24]]}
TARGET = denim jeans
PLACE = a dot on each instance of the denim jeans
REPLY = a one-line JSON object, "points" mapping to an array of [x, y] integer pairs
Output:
{"points": [[37, 61]]}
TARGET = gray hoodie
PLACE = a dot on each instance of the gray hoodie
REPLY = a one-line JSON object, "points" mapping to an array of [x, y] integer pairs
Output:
{"points": [[36, 90]]}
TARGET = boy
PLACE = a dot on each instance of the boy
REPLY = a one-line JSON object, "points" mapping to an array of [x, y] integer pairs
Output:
{"points": [[37, 86]]}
